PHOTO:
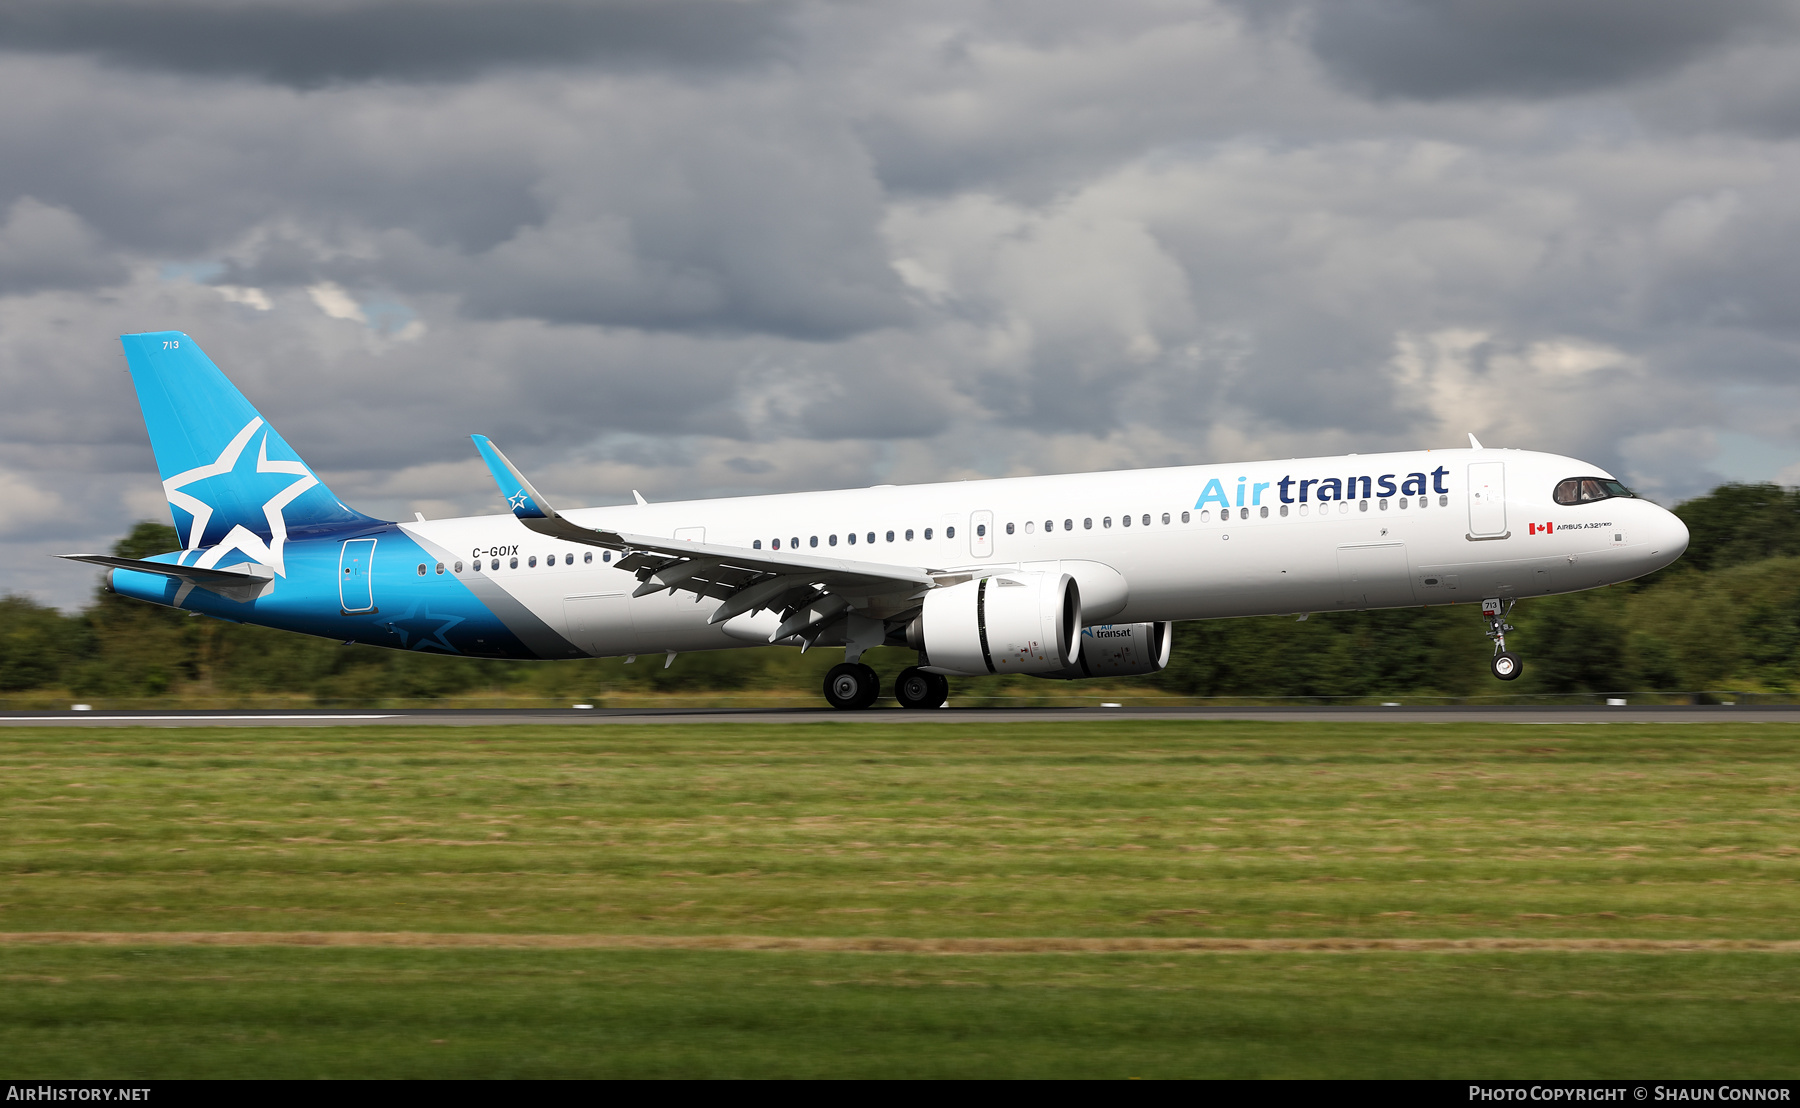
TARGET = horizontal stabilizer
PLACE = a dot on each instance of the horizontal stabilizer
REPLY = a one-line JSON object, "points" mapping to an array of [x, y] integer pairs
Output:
{"points": [[240, 574], [243, 581]]}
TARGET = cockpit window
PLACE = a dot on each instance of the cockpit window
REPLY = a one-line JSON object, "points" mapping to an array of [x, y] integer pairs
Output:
{"points": [[1586, 490]]}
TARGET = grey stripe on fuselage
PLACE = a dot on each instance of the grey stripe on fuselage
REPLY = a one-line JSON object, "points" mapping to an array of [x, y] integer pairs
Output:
{"points": [[539, 637]]}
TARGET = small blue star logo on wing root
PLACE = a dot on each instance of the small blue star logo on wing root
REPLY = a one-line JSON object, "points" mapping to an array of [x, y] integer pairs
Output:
{"points": [[424, 630], [293, 478], [518, 500]]}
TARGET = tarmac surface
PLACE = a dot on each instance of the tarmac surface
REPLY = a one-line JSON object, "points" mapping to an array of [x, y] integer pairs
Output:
{"points": [[1517, 714]]}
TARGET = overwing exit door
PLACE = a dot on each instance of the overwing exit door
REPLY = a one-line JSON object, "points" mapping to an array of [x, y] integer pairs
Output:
{"points": [[356, 590], [981, 534], [1487, 500]]}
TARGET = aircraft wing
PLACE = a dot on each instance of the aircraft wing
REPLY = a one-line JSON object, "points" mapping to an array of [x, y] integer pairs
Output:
{"points": [[808, 590]]}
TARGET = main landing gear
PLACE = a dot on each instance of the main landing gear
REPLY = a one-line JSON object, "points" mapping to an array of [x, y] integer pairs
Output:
{"points": [[1506, 665], [915, 688], [851, 685]]}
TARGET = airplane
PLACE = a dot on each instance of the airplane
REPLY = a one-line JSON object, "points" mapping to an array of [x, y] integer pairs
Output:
{"points": [[1060, 577]]}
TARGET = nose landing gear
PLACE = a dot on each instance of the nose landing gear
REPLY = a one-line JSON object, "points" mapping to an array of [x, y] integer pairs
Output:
{"points": [[1506, 665]]}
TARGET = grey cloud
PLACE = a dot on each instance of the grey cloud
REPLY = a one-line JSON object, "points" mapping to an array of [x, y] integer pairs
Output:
{"points": [[310, 43], [1128, 235], [44, 247], [1459, 48]]}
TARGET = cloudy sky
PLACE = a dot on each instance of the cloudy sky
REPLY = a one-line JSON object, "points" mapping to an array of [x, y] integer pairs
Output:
{"points": [[708, 247]]}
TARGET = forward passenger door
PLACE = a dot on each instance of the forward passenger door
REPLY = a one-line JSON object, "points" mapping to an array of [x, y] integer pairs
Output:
{"points": [[1487, 500]]}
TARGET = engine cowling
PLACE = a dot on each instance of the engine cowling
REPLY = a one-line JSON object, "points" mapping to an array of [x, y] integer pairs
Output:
{"points": [[1004, 623], [1120, 650]]}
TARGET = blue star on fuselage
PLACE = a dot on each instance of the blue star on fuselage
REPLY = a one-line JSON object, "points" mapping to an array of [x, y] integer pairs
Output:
{"points": [[421, 631]]}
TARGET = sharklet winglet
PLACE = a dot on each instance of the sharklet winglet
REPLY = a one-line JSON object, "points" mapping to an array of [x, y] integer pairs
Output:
{"points": [[524, 501]]}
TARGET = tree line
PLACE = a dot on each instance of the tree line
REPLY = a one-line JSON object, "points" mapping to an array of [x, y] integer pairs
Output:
{"points": [[1726, 617]]}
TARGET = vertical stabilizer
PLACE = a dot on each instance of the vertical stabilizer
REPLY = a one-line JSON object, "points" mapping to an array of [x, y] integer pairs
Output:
{"points": [[236, 489]]}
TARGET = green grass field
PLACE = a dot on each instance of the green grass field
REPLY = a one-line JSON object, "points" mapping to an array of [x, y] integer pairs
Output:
{"points": [[1041, 834]]}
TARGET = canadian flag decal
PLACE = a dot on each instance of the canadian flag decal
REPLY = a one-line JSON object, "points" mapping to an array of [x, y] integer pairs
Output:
{"points": [[1541, 528]]}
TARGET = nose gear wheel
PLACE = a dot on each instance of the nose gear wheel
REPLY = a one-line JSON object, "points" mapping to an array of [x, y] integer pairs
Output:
{"points": [[1506, 665]]}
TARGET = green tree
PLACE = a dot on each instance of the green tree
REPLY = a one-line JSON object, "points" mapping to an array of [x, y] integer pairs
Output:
{"points": [[1739, 523], [37, 644]]}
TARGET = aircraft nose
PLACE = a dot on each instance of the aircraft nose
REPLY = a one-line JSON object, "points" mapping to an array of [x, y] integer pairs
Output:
{"points": [[1669, 536]]}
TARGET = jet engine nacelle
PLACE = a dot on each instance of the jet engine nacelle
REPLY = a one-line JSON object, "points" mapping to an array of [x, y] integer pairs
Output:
{"points": [[1005, 623], [1120, 650]]}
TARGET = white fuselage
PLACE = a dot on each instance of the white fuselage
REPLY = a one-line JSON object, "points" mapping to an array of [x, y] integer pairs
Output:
{"points": [[1240, 539]]}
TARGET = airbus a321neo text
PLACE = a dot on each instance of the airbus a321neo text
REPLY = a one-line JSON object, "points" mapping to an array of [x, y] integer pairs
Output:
{"points": [[1065, 577]]}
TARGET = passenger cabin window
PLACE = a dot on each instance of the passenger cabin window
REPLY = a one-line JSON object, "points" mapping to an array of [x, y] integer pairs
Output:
{"points": [[850, 538], [872, 536], [512, 563], [928, 534], [757, 545], [909, 534], [1165, 519], [814, 541], [1009, 528], [1586, 490], [532, 561], [421, 569], [775, 544], [1184, 517], [459, 567], [1088, 523], [981, 530], [587, 557], [832, 541], [890, 537], [949, 533], [440, 567]]}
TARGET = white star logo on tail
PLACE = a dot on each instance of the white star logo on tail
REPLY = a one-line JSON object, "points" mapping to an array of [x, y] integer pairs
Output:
{"points": [[240, 537]]}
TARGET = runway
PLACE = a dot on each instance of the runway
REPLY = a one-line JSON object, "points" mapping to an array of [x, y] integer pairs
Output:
{"points": [[441, 717]]}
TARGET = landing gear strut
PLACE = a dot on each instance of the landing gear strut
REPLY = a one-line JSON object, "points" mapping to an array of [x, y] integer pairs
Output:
{"points": [[1506, 665], [915, 688], [851, 685]]}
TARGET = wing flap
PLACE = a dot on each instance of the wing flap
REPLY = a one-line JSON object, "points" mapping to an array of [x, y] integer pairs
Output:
{"points": [[709, 570]]}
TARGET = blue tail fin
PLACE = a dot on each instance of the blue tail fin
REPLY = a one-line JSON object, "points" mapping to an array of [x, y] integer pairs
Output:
{"points": [[235, 487]]}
